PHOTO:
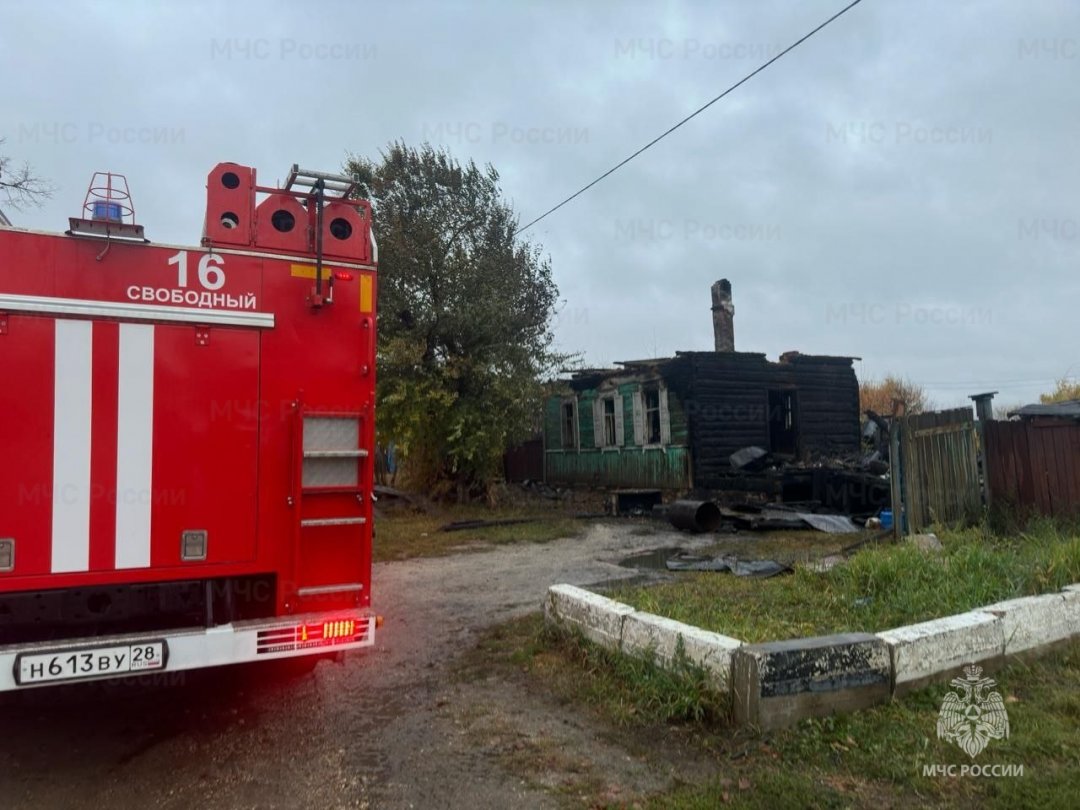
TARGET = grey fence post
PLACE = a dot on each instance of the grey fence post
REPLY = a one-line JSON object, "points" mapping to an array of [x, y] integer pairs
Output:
{"points": [[984, 411]]}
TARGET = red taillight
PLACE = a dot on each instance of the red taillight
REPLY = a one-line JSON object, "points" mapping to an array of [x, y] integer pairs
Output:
{"points": [[341, 275]]}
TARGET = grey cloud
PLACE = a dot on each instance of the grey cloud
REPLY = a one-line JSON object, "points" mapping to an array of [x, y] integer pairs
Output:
{"points": [[901, 188]]}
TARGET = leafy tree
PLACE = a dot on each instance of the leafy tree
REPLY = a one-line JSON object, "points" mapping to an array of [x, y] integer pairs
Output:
{"points": [[879, 396], [21, 187], [465, 310], [1064, 391]]}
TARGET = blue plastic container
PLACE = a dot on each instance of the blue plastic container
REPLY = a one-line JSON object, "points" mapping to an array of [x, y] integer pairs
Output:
{"points": [[886, 518]]}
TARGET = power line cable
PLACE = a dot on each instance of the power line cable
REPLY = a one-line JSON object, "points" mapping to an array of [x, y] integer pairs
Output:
{"points": [[694, 114]]}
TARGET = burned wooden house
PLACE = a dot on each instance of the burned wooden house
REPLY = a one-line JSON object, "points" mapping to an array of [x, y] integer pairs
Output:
{"points": [[674, 422]]}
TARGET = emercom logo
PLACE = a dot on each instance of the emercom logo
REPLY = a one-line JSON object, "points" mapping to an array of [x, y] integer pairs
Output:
{"points": [[973, 715]]}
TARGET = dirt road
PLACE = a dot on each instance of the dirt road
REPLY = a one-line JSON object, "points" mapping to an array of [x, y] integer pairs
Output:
{"points": [[386, 728]]}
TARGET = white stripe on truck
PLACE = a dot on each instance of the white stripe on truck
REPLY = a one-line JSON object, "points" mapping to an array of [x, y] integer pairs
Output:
{"points": [[71, 446], [135, 445], [136, 312]]}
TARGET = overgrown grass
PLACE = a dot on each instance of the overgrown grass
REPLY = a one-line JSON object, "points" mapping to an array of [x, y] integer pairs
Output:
{"points": [[629, 690], [878, 588], [873, 758], [401, 535]]}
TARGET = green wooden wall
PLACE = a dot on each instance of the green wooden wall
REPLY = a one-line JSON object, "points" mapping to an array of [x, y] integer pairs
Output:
{"points": [[628, 465]]}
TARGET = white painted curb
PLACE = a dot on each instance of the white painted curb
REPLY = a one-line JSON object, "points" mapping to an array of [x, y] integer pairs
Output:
{"points": [[646, 634], [921, 651], [619, 627], [918, 653], [1037, 621], [600, 619]]}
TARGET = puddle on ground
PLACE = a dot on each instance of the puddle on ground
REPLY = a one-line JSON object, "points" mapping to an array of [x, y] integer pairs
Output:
{"points": [[653, 560]]}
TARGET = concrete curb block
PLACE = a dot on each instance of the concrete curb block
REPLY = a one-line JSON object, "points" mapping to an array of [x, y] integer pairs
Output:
{"points": [[616, 626], [776, 684], [1031, 622], [600, 619], [646, 634], [920, 653]]}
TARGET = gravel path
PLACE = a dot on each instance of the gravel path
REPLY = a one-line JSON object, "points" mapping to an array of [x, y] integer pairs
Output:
{"points": [[386, 728]]}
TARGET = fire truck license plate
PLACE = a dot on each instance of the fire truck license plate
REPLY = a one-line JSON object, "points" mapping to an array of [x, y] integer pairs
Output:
{"points": [[89, 662]]}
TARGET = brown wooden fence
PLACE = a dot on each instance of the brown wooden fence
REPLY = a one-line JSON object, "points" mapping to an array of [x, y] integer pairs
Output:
{"points": [[525, 462], [940, 471], [1034, 466]]}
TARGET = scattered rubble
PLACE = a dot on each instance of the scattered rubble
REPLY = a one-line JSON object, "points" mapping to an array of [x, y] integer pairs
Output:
{"points": [[707, 516], [461, 525], [832, 524], [925, 542], [750, 459], [729, 562], [543, 490], [826, 563], [388, 498], [694, 516]]}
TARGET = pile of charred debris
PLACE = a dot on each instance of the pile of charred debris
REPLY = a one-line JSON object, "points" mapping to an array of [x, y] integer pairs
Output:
{"points": [[711, 516], [764, 492]]}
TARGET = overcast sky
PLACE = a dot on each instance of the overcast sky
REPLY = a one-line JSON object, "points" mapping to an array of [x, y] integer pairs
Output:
{"points": [[904, 187]]}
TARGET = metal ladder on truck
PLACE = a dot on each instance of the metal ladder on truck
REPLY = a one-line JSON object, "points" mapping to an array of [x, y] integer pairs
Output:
{"points": [[327, 498], [318, 185]]}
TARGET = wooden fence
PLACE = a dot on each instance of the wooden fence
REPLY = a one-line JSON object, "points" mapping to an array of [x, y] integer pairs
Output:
{"points": [[939, 468], [525, 462], [1034, 467]]}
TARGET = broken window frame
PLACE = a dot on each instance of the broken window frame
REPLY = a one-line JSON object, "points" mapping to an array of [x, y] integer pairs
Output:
{"points": [[651, 416], [608, 421], [643, 436], [568, 424], [611, 436]]}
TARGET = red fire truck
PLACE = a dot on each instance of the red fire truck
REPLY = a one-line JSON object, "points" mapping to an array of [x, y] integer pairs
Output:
{"points": [[187, 433]]}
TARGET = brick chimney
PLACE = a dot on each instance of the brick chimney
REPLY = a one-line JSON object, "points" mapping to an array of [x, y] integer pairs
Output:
{"points": [[723, 316]]}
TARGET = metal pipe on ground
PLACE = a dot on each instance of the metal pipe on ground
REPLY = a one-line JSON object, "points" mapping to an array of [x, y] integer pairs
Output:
{"points": [[694, 516]]}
